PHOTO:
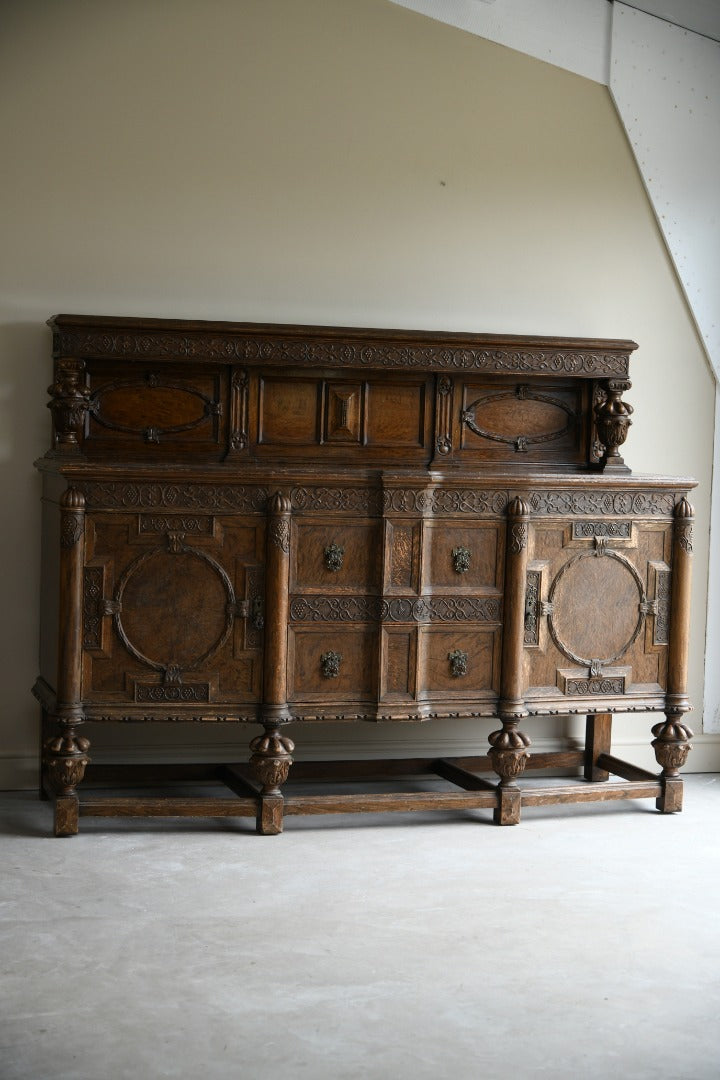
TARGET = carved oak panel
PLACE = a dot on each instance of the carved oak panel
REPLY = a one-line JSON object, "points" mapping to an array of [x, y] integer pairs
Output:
{"points": [[168, 609]]}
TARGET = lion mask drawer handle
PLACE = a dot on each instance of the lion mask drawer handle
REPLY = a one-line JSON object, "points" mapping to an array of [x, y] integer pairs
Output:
{"points": [[458, 663], [330, 664], [461, 560], [333, 556]]}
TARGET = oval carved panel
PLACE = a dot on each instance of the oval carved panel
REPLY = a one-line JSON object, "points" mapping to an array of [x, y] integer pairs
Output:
{"points": [[522, 418], [597, 603], [150, 407], [175, 608]]}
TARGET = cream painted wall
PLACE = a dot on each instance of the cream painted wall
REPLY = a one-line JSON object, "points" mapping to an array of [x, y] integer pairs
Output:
{"points": [[347, 163]]}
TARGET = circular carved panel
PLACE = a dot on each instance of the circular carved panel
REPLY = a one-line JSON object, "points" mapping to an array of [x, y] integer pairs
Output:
{"points": [[175, 608], [596, 607]]}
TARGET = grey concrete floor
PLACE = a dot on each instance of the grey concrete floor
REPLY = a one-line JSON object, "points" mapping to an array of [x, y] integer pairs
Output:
{"points": [[583, 943]]}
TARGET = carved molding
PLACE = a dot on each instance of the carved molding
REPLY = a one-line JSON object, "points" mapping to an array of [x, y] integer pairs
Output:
{"points": [[305, 349], [239, 389]]}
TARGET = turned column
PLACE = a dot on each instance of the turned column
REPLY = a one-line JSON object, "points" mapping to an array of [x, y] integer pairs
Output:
{"points": [[672, 738], [509, 753], [272, 752], [65, 755]]}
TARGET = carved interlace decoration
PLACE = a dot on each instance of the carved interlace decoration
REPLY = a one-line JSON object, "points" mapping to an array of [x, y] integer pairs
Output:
{"points": [[399, 609], [126, 495], [532, 607]]}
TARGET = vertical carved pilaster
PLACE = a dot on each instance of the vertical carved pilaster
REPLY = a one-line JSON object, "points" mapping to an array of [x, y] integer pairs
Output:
{"points": [[69, 401], [239, 398], [65, 756], [443, 414], [271, 757], [672, 737], [612, 418], [508, 746]]}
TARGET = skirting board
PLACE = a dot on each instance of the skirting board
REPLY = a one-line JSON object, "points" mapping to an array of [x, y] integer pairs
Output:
{"points": [[21, 773]]}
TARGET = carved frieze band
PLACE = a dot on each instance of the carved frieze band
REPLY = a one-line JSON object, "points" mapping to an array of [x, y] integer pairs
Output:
{"points": [[123, 495], [396, 609], [176, 523], [308, 351], [479, 502], [587, 530], [600, 685], [183, 693]]}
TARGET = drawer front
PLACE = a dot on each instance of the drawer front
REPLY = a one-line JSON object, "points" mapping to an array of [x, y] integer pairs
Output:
{"points": [[332, 556], [461, 664], [459, 556], [335, 664]]}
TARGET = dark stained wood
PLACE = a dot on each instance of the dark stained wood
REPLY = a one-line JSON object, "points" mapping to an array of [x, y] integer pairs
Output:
{"points": [[248, 523], [598, 738]]}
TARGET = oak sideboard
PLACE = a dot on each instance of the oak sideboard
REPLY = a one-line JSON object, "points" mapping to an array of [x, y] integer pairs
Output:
{"points": [[272, 525]]}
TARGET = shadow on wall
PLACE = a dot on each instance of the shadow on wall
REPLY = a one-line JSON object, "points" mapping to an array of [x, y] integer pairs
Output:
{"points": [[25, 373]]}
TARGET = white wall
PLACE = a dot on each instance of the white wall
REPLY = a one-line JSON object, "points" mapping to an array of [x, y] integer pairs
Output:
{"points": [[347, 163]]}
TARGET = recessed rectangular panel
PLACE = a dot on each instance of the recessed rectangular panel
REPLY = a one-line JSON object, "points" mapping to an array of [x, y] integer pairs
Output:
{"points": [[288, 412], [395, 414], [331, 664], [398, 663], [459, 556], [335, 556], [459, 663], [343, 413]]}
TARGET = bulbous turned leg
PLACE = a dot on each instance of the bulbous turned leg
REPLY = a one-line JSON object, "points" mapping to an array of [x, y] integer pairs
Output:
{"points": [[270, 763], [508, 755], [65, 759], [672, 746]]}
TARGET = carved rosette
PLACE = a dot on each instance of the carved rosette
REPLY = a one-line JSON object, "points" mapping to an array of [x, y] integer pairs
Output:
{"points": [[65, 761], [508, 754], [612, 418], [671, 745], [271, 760]]}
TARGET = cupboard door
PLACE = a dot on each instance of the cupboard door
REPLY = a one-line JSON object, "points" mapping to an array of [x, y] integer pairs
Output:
{"points": [[597, 610], [173, 609]]}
